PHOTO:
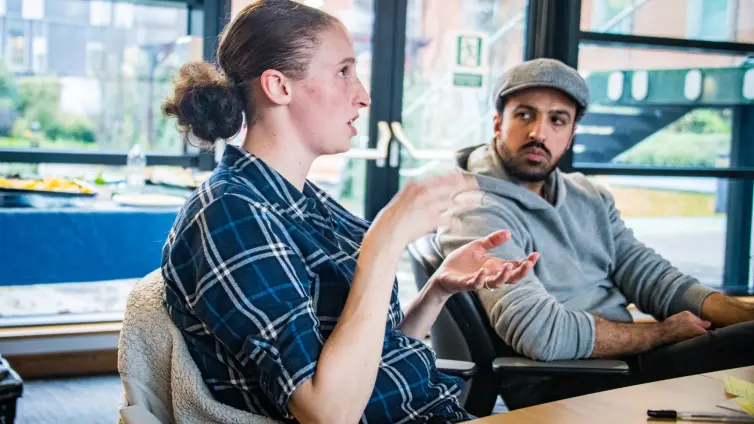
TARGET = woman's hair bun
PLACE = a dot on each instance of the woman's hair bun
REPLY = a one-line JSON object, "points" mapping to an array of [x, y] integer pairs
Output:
{"points": [[206, 103]]}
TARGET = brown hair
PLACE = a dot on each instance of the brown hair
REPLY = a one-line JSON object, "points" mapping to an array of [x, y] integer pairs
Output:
{"points": [[210, 100]]}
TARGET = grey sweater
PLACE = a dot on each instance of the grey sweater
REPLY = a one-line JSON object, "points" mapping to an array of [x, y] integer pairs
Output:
{"points": [[590, 264]]}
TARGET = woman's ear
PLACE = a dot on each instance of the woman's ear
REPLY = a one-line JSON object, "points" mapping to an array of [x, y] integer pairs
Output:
{"points": [[276, 86]]}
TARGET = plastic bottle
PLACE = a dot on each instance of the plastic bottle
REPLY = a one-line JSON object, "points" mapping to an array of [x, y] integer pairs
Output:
{"points": [[136, 166]]}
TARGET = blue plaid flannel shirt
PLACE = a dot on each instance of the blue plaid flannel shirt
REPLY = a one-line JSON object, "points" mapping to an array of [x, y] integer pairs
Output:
{"points": [[257, 274]]}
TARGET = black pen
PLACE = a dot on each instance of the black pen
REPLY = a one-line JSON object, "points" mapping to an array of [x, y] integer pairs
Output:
{"points": [[700, 416]]}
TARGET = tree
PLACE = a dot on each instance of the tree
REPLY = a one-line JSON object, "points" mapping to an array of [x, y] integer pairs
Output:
{"points": [[39, 101], [8, 98]]}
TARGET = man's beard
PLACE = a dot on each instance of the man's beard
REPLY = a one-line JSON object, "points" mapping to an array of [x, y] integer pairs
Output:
{"points": [[522, 169]]}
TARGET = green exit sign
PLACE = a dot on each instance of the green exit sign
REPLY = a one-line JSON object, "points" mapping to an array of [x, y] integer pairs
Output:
{"points": [[470, 59], [467, 80]]}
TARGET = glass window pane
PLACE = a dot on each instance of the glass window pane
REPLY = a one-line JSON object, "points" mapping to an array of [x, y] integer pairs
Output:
{"points": [[72, 73], [16, 45], [13, 7], [716, 20], [440, 110], [33, 9], [658, 107], [100, 13]]}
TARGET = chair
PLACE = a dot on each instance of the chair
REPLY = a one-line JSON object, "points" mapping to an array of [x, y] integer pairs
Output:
{"points": [[11, 388], [161, 381], [463, 332]]}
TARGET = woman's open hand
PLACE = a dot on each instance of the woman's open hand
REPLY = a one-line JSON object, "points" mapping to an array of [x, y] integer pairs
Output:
{"points": [[471, 267]]}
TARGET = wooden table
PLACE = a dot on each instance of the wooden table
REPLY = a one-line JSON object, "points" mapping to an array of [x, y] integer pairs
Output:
{"points": [[629, 404]]}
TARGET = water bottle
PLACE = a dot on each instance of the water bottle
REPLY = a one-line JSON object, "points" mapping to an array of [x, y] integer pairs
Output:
{"points": [[136, 165]]}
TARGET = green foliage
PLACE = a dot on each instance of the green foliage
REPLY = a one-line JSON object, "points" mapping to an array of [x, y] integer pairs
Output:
{"points": [[703, 121], [698, 139], [8, 96], [35, 102], [72, 128], [678, 149], [20, 129], [39, 100]]}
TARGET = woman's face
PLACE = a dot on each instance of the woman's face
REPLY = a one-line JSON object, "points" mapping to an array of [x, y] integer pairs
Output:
{"points": [[327, 101]]}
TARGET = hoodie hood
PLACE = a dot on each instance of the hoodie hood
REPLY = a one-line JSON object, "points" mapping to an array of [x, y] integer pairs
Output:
{"points": [[484, 162]]}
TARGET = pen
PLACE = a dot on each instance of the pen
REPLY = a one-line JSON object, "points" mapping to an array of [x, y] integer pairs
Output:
{"points": [[700, 416]]}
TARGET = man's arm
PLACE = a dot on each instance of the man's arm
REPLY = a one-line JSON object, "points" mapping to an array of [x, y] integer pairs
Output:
{"points": [[722, 310], [646, 278], [536, 325], [615, 340]]}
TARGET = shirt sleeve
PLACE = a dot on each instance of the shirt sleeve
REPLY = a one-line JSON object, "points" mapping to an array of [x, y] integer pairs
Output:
{"points": [[646, 278], [249, 285]]}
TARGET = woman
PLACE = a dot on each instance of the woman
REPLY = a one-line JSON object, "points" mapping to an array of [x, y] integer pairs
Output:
{"points": [[288, 302]]}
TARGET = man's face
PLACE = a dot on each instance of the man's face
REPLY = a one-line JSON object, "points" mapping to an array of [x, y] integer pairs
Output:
{"points": [[533, 131]]}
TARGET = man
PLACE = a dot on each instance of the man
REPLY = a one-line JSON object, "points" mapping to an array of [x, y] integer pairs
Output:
{"points": [[573, 304]]}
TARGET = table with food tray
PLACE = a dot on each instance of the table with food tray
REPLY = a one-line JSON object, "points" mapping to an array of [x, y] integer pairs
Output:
{"points": [[80, 235]]}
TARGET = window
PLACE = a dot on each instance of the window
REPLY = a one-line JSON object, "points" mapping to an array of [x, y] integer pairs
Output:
{"points": [[708, 20], [124, 14], [613, 15], [95, 58], [716, 20], [670, 114], [100, 13], [76, 11], [663, 129], [33, 9], [16, 46], [88, 70], [437, 113], [39, 55]]}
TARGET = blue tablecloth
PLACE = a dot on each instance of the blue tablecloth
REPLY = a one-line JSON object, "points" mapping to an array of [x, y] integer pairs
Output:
{"points": [[40, 246]]}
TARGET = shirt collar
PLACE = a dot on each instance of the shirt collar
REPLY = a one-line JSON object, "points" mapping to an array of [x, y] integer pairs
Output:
{"points": [[270, 184]]}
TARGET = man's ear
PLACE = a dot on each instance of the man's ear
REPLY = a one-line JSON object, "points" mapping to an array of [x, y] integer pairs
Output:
{"points": [[276, 86], [497, 124], [573, 135]]}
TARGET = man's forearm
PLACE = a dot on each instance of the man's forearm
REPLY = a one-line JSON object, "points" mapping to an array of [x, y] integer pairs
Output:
{"points": [[613, 340], [722, 310]]}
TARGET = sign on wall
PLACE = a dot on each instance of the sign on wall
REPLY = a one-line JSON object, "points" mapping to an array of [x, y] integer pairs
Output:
{"points": [[470, 59]]}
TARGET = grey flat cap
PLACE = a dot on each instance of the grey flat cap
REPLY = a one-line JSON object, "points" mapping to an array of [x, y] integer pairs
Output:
{"points": [[543, 73]]}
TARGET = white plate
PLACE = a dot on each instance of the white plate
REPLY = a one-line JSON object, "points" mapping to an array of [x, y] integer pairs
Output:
{"points": [[158, 200]]}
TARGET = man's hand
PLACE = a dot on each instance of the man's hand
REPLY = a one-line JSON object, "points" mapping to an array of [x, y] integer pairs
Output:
{"points": [[682, 326], [723, 310]]}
